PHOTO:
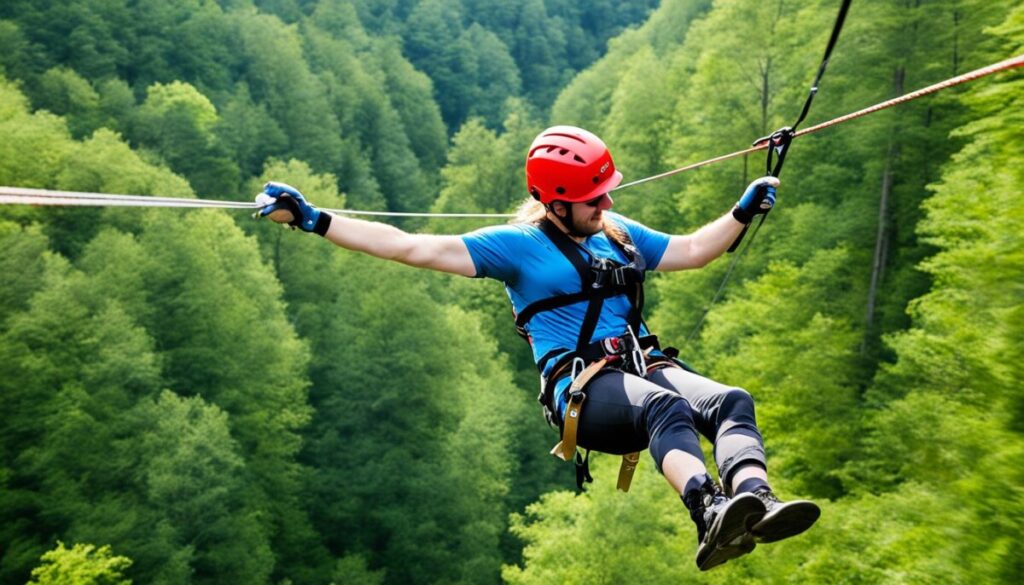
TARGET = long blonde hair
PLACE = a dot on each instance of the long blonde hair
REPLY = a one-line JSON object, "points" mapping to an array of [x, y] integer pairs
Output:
{"points": [[530, 211]]}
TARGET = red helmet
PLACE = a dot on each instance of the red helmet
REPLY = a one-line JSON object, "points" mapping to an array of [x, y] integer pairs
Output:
{"points": [[569, 164]]}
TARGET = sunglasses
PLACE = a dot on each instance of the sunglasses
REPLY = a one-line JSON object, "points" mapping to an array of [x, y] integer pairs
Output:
{"points": [[595, 201]]}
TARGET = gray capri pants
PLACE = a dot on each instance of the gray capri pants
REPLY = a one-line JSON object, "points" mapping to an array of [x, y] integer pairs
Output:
{"points": [[624, 413]]}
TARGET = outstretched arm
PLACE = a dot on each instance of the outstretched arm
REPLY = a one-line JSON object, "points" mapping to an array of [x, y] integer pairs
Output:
{"points": [[443, 253], [711, 241], [285, 204]]}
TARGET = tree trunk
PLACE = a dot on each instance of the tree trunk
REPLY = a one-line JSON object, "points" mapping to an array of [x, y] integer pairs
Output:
{"points": [[882, 233], [881, 242], [765, 101], [956, 41]]}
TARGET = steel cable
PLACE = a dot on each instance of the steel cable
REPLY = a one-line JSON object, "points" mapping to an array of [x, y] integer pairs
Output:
{"points": [[26, 196]]}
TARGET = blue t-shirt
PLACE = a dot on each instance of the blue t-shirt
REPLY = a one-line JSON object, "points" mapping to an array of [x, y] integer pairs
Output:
{"points": [[533, 268]]}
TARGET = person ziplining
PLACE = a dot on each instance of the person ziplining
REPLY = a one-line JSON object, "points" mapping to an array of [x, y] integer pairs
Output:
{"points": [[574, 273]]}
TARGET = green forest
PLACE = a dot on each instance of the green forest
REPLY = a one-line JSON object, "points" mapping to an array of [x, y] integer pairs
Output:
{"points": [[191, 396]]}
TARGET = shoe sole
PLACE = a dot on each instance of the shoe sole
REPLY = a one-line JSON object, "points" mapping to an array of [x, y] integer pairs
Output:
{"points": [[728, 538], [786, 521]]}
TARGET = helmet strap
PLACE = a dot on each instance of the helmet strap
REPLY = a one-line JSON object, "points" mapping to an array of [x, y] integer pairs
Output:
{"points": [[567, 221]]}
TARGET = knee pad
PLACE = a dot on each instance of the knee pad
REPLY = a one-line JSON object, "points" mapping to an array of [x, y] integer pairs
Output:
{"points": [[670, 426], [736, 414]]}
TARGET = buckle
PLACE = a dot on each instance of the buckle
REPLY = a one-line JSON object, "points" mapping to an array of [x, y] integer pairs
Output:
{"points": [[578, 365], [636, 354], [600, 267], [778, 143], [619, 276]]}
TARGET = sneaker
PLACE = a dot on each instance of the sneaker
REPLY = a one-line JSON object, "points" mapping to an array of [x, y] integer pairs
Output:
{"points": [[722, 525], [783, 519]]}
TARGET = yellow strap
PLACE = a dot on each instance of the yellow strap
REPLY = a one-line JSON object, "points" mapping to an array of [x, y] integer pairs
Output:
{"points": [[566, 448], [629, 461]]}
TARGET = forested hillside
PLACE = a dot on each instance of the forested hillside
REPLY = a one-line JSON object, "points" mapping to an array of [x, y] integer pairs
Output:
{"points": [[195, 397]]}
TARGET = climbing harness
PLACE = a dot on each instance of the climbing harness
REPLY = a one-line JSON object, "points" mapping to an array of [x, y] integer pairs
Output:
{"points": [[600, 279]]}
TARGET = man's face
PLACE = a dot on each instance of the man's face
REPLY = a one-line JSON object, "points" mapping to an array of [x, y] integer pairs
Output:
{"points": [[588, 216]]}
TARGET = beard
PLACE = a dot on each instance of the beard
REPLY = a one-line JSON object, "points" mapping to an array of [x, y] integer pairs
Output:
{"points": [[588, 224]]}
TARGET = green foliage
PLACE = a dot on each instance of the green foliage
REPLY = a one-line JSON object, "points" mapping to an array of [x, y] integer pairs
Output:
{"points": [[21, 266], [178, 122], [67, 94], [82, 564], [640, 537], [484, 171], [249, 132], [227, 401], [36, 143], [193, 474], [425, 382], [105, 164], [352, 570], [15, 51]]}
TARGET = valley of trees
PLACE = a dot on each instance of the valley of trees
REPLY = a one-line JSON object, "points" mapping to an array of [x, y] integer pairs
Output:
{"points": [[196, 397]]}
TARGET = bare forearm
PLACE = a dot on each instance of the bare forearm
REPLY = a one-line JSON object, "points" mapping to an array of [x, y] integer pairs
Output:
{"points": [[702, 246], [712, 240]]}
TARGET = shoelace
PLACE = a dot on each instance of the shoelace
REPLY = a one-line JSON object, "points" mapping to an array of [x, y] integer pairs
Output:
{"points": [[768, 497]]}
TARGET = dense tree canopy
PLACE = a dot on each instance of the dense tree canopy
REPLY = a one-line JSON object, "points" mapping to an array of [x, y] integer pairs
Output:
{"points": [[195, 397]]}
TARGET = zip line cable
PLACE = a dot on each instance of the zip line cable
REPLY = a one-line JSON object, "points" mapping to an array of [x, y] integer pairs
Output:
{"points": [[762, 143], [47, 197], [25, 196]]}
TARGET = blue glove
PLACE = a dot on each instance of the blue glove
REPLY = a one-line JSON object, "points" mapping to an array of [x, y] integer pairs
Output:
{"points": [[279, 198], [759, 198]]}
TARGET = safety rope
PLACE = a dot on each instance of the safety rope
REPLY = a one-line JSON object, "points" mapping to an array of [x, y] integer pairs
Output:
{"points": [[26, 196], [778, 144]]}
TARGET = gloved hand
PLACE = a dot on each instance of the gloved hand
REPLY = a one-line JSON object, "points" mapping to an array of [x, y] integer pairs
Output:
{"points": [[285, 204], [759, 198]]}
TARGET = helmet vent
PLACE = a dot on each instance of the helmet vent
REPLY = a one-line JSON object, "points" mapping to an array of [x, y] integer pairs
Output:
{"points": [[596, 180], [564, 135], [577, 158], [560, 190], [564, 151]]}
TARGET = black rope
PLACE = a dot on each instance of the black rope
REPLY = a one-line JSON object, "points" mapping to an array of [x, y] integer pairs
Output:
{"points": [[838, 26], [778, 146]]}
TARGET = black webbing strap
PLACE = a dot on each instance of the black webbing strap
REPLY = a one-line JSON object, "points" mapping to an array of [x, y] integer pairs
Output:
{"points": [[597, 281], [524, 316], [780, 140], [568, 248], [571, 250], [778, 145], [836, 28]]}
